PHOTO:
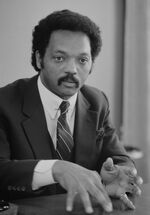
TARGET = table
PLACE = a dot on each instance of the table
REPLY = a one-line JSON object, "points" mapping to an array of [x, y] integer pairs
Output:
{"points": [[55, 205]]}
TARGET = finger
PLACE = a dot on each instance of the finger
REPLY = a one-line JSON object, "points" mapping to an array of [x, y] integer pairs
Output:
{"points": [[133, 178], [134, 189], [127, 201], [135, 181], [70, 200], [100, 186], [101, 196], [130, 171], [134, 171], [103, 200], [108, 164], [139, 180], [138, 191], [86, 201], [129, 187]]}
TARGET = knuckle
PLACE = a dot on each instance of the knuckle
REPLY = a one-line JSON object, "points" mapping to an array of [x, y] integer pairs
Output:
{"points": [[99, 195], [139, 180], [96, 193], [96, 174], [84, 195], [139, 192]]}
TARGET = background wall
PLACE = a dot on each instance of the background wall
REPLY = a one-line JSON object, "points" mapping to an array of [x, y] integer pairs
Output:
{"points": [[17, 19]]}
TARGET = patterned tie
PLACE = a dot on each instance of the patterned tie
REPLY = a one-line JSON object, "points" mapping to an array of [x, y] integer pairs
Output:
{"points": [[64, 137]]}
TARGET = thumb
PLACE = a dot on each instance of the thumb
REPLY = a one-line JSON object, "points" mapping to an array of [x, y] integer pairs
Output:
{"points": [[109, 164]]}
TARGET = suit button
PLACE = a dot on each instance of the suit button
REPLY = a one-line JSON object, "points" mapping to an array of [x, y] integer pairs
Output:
{"points": [[23, 188], [9, 188], [14, 188], [18, 188]]}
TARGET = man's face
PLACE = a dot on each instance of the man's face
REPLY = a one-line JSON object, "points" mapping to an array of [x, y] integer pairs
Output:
{"points": [[67, 62]]}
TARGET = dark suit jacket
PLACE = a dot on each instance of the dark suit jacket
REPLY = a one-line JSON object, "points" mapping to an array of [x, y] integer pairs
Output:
{"points": [[24, 138]]}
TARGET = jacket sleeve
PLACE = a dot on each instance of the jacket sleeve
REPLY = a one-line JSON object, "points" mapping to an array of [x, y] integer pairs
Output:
{"points": [[112, 147], [15, 175]]}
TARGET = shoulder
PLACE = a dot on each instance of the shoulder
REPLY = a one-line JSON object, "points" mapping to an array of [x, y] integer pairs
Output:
{"points": [[18, 84], [15, 90], [95, 97]]}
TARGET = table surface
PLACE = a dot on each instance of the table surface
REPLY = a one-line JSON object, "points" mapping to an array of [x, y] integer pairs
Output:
{"points": [[55, 205]]}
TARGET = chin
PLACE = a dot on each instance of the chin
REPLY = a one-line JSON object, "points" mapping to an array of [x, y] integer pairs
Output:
{"points": [[68, 92], [67, 95]]}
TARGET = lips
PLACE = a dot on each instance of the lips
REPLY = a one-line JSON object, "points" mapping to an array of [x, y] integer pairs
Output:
{"points": [[69, 83]]}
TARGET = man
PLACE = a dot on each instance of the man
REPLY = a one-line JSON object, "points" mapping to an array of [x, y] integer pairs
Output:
{"points": [[46, 146]]}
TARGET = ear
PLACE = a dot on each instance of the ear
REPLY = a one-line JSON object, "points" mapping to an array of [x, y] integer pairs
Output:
{"points": [[38, 59]]}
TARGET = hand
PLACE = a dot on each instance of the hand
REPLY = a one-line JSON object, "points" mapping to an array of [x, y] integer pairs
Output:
{"points": [[120, 180], [79, 180]]}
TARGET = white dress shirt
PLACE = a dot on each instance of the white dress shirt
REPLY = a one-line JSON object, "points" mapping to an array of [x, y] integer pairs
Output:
{"points": [[43, 170]]}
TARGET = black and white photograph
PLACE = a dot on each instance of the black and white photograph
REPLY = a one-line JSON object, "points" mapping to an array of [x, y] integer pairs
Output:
{"points": [[74, 107]]}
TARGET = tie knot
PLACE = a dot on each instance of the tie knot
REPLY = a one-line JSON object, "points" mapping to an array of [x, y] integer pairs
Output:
{"points": [[64, 107]]}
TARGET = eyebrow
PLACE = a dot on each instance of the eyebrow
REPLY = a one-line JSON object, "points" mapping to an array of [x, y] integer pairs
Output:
{"points": [[65, 53], [59, 51]]}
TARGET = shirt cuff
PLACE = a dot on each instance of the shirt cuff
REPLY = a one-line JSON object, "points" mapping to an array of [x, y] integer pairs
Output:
{"points": [[42, 174]]}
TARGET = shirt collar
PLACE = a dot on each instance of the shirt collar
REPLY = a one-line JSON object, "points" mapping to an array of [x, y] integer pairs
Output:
{"points": [[51, 102]]}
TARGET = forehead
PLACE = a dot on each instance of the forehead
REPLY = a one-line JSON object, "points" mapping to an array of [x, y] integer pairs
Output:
{"points": [[69, 42]]}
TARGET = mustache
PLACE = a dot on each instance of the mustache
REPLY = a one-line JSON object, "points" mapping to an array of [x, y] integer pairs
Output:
{"points": [[70, 78]]}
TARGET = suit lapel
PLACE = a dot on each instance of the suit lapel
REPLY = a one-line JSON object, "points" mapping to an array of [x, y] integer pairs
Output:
{"points": [[35, 128], [85, 133], [34, 123]]}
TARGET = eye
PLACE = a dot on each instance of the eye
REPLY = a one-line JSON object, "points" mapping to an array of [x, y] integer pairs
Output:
{"points": [[59, 59], [83, 60]]}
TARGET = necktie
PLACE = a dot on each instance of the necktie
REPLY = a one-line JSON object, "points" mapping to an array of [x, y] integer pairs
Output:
{"points": [[64, 136]]}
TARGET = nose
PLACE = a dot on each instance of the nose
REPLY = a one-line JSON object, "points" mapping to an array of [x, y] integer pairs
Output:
{"points": [[71, 67]]}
